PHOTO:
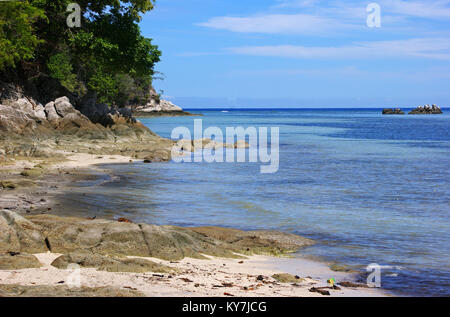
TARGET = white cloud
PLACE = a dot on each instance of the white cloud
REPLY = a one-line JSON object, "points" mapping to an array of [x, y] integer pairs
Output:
{"points": [[438, 48], [295, 3], [276, 24], [315, 17], [424, 9]]}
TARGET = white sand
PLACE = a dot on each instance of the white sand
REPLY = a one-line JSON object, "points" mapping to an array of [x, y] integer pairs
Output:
{"points": [[197, 278]]}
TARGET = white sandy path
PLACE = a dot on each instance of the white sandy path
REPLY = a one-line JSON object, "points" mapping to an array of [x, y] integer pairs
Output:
{"points": [[203, 277]]}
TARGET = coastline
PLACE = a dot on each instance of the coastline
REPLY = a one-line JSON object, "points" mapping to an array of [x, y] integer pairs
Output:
{"points": [[216, 276]]}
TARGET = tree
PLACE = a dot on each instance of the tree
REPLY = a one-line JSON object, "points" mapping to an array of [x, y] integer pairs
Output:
{"points": [[18, 39], [107, 54]]}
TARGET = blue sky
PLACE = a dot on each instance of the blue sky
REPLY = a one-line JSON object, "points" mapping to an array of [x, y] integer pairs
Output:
{"points": [[301, 53]]}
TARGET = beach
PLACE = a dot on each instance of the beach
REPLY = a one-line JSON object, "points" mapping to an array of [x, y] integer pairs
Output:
{"points": [[248, 275]]}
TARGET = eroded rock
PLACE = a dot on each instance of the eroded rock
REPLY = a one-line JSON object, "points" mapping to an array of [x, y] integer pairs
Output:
{"points": [[18, 234], [65, 291], [88, 259], [11, 261]]}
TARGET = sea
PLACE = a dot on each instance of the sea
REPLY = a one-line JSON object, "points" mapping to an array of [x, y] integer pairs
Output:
{"points": [[368, 188]]}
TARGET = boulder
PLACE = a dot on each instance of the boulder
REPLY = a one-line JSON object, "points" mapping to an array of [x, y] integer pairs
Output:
{"points": [[63, 107], [111, 238], [39, 112], [287, 278], [65, 291], [50, 111], [427, 110], [96, 112], [88, 259], [18, 234], [393, 111], [158, 156], [14, 120], [12, 261]]}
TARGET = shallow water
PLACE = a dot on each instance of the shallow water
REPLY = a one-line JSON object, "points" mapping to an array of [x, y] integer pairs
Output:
{"points": [[369, 188]]}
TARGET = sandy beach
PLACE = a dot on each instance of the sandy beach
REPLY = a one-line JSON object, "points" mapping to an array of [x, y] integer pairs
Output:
{"points": [[254, 275], [216, 277]]}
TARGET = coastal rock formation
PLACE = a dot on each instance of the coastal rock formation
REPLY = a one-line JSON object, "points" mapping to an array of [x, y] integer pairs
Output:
{"points": [[65, 291], [158, 107], [88, 259], [90, 241], [427, 110], [393, 111], [13, 261], [27, 128], [20, 235]]}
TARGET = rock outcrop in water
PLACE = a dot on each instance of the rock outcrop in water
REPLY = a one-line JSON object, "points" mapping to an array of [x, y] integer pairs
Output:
{"points": [[158, 107], [419, 110], [393, 111], [427, 109]]}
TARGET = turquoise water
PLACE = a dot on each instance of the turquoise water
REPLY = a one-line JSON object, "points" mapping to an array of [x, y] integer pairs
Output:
{"points": [[369, 188]]}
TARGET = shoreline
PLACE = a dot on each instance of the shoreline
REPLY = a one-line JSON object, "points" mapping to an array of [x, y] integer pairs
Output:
{"points": [[203, 274], [216, 277]]}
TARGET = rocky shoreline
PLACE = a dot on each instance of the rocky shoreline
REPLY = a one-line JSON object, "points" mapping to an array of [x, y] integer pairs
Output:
{"points": [[45, 147], [120, 258]]}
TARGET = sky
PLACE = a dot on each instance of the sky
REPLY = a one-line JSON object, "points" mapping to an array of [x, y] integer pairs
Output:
{"points": [[301, 53]]}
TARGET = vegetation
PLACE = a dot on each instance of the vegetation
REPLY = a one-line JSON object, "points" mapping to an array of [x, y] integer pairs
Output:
{"points": [[107, 54]]}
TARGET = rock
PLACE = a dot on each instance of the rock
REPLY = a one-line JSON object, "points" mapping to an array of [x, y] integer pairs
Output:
{"points": [[355, 285], [88, 259], [340, 268], [8, 185], [39, 112], [18, 234], [287, 278], [158, 156], [65, 291], [393, 111], [162, 106], [18, 261], [427, 110], [320, 291], [33, 172], [96, 112], [262, 242], [51, 113], [17, 121], [112, 238], [157, 106], [126, 112], [63, 107]]}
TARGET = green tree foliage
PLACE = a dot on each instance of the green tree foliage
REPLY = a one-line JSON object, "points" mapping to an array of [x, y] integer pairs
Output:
{"points": [[107, 54], [60, 67], [18, 40]]}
